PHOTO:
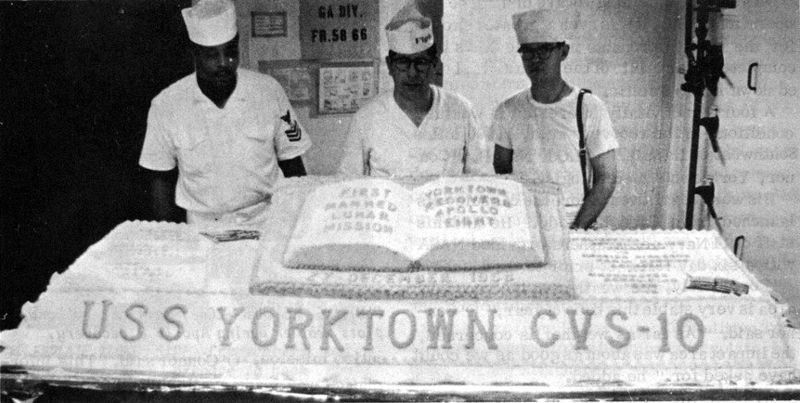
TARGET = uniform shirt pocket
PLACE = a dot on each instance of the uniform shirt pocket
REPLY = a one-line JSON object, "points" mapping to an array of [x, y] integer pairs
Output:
{"points": [[255, 146], [193, 152]]}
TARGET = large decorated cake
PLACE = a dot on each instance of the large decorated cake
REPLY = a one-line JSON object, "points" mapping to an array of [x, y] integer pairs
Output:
{"points": [[173, 303]]}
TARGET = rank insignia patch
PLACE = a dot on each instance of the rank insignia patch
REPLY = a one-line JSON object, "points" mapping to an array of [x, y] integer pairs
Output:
{"points": [[293, 133]]}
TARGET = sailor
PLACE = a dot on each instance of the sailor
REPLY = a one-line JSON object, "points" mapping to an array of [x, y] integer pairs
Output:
{"points": [[230, 132], [417, 129], [536, 131]]}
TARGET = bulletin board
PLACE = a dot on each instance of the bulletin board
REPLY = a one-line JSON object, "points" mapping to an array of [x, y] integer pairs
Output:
{"points": [[346, 86], [297, 77], [326, 87]]}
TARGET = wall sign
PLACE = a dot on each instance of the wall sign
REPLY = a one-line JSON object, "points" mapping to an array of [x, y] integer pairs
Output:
{"points": [[345, 87], [338, 29], [268, 24]]}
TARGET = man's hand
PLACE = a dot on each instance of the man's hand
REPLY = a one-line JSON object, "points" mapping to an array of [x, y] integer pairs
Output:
{"points": [[605, 181], [292, 167]]}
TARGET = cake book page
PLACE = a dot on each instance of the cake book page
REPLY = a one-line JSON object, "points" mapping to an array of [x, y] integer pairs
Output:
{"points": [[359, 212], [377, 224], [472, 210]]}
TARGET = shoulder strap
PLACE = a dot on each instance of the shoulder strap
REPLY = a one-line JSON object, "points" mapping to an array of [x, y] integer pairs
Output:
{"points": [[582, 142]]}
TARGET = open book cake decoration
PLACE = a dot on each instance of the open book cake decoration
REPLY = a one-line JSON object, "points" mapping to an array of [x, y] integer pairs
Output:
{"points": [[445, 224]]}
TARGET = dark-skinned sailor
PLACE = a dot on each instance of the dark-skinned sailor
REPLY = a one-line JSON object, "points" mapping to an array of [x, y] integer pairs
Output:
{"points": [[230, 132]]}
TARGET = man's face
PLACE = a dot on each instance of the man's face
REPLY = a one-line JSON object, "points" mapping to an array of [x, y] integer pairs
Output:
{"points": [[412, 74], [542, 60], [216, 65]]}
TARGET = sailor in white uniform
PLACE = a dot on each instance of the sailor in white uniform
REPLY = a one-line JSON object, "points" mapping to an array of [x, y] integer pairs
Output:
{"points": [[417, 129]]}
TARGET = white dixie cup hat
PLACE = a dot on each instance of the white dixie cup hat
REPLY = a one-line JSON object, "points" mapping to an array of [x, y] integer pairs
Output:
{"points": [[542, 26], [409, 31], [210, 22]]}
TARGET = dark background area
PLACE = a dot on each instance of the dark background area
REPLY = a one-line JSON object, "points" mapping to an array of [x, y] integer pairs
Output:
{"points": [[77, 81]]}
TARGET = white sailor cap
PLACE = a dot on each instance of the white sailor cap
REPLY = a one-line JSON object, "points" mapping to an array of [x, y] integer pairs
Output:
{"points": [[210, 22], [540, 26], [409, 31]]}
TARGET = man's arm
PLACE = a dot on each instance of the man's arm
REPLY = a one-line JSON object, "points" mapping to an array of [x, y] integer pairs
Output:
{"points": [[292, 167], [604, 167], [162, 196], [290, 139], [503, 160]]}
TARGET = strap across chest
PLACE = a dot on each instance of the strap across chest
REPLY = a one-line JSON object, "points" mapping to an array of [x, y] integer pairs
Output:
{"points": [[582, 143]]}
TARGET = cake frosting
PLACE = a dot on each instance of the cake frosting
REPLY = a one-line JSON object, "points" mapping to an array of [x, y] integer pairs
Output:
{"points": [[160, 302]]}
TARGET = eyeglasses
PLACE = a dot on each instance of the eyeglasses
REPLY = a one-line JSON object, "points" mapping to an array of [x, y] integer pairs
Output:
{"points": [[539, 52], [404, 64]]}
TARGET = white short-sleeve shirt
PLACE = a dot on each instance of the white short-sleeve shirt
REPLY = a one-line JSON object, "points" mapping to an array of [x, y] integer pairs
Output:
{"points": [[226, 158], [544, 138], [383, 141]]}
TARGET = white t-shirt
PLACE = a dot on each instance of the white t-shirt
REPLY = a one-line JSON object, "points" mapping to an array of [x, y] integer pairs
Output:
{"points": [[545, 139], [226, 158], [383, 141]]}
